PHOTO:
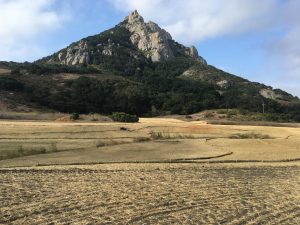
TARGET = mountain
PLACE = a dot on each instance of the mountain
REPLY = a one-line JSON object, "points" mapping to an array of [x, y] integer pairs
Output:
{"points": [[142, 42], [137, 67], [138, 39]]}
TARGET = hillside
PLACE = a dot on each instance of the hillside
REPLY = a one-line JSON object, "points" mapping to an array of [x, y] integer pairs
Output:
{"points": [[136, 67]]}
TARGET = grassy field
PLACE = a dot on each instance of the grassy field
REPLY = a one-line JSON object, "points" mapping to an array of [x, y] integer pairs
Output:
{"points": [[157, 171], [151, 194]]}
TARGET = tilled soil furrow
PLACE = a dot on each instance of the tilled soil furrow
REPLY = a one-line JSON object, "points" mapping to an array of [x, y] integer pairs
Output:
{"points": [[173, 194]]}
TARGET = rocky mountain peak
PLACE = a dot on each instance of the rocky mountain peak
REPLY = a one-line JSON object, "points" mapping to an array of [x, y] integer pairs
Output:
{"points": [[134, 17], [149, 38], [152, 41]]}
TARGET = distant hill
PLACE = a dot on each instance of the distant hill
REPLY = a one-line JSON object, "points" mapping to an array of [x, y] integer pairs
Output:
{"points": [[137, 67]]}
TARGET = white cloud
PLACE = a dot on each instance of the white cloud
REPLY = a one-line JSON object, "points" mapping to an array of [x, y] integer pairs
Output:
{"points": [[23, 20], [191, 21], [283, 51]]}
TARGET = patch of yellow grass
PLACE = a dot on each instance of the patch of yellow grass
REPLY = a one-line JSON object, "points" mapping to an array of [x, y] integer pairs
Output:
{"points": [[82, 142], [4, 71]]}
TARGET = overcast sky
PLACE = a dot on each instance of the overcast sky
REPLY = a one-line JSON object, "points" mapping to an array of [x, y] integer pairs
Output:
{"points": [[256, 39]]}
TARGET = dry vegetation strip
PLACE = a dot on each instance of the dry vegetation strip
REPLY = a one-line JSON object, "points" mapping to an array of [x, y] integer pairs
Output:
{"points": [[151, 194], [4, 71], [151, 140]]}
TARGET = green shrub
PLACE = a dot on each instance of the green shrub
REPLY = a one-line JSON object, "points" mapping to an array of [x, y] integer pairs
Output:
{"points": [[74, 116], [44, 69], [141, 139], [232, 113], [222, 111], [10, 84], [100, 144], [124, 117]]}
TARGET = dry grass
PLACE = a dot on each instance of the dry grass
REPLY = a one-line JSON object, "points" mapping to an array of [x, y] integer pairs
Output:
{"points": [[158, 135], [253, 123], [4, 71], [154, 139], [173, 193], [250, 136], [150, 151], [151, 194]]}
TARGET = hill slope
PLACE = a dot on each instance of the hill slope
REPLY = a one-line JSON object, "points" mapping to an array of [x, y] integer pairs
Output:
{"points": [[137, 67]]}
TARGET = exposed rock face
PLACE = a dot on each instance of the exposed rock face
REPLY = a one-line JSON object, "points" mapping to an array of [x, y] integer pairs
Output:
{"points": [[270, 94], [153, 41], [108, 49], [75, 55], [189, 73], [223, 84], [193, 52], [149, 37]]}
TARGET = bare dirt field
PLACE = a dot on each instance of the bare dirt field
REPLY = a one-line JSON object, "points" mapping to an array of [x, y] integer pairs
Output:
{"points": [[151, 194]]}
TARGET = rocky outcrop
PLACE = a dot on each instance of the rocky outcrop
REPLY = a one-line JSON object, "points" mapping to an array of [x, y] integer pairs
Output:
{"points": [[270, 94], [75, 55], [153, 40], [149, 38], [108, 49], [193, 52], [223, 84]]}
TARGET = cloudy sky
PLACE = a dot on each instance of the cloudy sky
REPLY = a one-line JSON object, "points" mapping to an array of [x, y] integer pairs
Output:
{"points": [[258, 40]]}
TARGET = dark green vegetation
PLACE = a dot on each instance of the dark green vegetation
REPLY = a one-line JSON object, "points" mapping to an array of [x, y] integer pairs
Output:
{"points": [[10, 84], [127, 81], [74, 116], [158, 89], [44, 69], [124, 117]]}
